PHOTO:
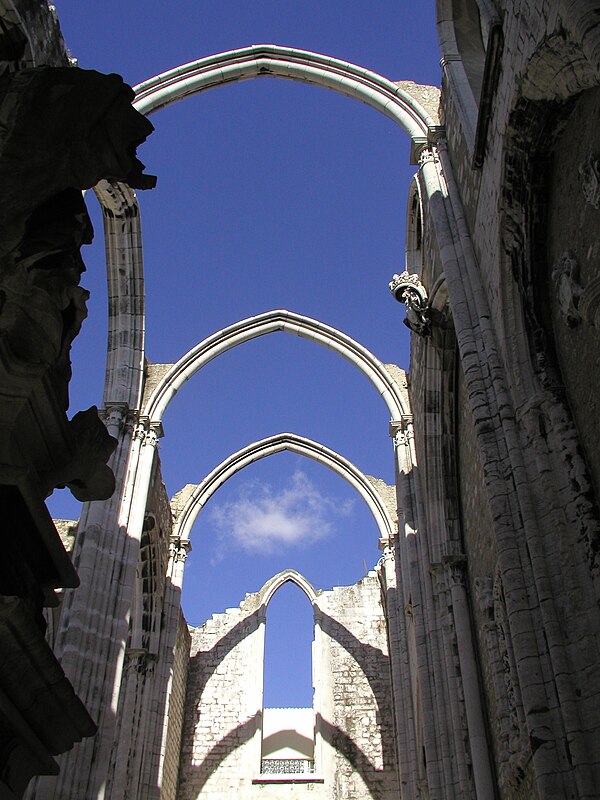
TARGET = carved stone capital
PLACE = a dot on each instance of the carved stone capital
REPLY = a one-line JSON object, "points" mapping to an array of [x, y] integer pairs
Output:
{"points": [[147, 434], [401, 430], [388, 550], [407, 288], [450, 571], [118, 418], [427, 156], [179, 549]]}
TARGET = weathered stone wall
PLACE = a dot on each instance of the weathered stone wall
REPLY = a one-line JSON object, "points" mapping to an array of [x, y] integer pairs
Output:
{"points": [[220, 752], [354, 746], [172, 749], [527, 385], [569, 290], [355, 719]]}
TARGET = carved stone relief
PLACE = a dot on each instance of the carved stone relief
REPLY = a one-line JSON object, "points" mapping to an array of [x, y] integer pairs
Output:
{"points": [[408, 289], [576, 303], [568, 290], [589, 172]]}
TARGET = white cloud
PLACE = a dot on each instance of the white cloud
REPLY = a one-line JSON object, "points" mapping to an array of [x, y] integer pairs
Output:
{"points": [[262, 520]]}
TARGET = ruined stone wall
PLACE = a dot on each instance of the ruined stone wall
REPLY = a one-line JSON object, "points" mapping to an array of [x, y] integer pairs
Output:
{"points": [[527, 333], [569, 292], [220, 751], [355, 718], [354, 745], [176, 712]]}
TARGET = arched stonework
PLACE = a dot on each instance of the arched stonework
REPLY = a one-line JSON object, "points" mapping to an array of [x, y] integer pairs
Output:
{"points": [[277, 444], [286, 576], [292, 64], [269, 322], [121, 211]]}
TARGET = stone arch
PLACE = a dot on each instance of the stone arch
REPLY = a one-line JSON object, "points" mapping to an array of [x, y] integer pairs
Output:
{"points": [[277, 444], [120, 207], [265, 595], [292, 64], [269, 322]]}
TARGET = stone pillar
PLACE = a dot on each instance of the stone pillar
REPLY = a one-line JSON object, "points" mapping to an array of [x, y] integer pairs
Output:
{"points": [[404, 718], [95, 620], [462, 679], [168, 728]]}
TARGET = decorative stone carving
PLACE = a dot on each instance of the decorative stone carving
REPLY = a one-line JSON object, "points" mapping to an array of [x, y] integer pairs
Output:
{"points": [[408, 289], [86, 474], [576, 303], [568, 291], [61, 131], [43, 223], [589, 172], [179, 549]]}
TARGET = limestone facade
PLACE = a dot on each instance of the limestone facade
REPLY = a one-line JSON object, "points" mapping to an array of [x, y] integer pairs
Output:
{"points": [[352, 737], [469, 667]]}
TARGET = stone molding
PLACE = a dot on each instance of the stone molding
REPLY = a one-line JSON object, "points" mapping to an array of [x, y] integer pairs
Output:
{"points": [[270, 322], [198, 498]]}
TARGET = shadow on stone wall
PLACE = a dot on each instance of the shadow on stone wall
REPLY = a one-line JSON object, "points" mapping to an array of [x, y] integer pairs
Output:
{"points": [[360, 763], [373, 663], [197, 776], [375, 666], [201, 668]]}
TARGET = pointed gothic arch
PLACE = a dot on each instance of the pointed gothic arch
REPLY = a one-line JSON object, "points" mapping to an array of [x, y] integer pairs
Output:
{"points": [[269, 322], [277, 581], [289, 63], [120, 207], [277, 444]]}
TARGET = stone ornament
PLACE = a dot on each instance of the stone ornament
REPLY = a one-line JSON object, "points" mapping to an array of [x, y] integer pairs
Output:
{"points": [[568, 291], [589, 171], [577, 304], [408, 289]]}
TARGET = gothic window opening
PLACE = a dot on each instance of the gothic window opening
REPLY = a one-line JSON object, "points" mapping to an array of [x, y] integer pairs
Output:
{"points": [[288, 722]]}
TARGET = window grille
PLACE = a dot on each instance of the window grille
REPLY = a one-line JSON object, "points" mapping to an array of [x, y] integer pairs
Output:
{"points": [[287, 766]]}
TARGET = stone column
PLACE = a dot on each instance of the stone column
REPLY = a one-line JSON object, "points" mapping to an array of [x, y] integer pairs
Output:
{"points": [[178, 552], [95, 620], [405, 732], [462, 671]]}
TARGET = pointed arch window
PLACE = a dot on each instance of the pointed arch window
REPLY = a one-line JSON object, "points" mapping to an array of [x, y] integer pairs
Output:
{"points": [[287, 747]]}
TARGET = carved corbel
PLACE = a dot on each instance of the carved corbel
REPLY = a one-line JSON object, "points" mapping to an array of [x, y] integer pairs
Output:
{"points": [[577, 303], [589, 171], [407, 288], [179, 548]]}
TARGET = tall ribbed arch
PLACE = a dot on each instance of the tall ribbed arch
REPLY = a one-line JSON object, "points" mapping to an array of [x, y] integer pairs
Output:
{"points": [[277, 444], [120, 208], [285, 62], [260, 325]]}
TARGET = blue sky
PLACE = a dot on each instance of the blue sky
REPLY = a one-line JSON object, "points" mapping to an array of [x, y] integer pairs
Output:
{"points": [[271, 194]]}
